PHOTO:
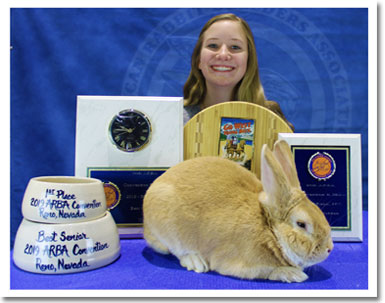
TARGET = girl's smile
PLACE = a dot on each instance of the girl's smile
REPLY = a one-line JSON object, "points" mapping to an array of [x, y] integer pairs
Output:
{"points": [[222, 68]]}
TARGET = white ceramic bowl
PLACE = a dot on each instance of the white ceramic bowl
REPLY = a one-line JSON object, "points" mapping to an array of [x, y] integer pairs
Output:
{"points": [[63, 199], [66, 248]]}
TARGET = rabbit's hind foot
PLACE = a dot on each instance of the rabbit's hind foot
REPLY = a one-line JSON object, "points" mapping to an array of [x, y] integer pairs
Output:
{"points": [[288, 274], [195, 262]]}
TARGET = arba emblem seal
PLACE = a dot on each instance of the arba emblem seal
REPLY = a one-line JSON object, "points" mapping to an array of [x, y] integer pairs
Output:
{"points": [[112, 195], [321, 166]]}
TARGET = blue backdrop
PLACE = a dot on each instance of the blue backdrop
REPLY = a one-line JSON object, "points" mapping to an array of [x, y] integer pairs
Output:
{"points": [[313, 61]]}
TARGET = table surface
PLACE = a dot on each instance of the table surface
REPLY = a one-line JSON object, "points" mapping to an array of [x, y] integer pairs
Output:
{"points": [[139, 267]]}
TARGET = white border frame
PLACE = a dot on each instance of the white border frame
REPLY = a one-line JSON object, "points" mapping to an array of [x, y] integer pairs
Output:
{"points": [[354, 142], [231, 295]]}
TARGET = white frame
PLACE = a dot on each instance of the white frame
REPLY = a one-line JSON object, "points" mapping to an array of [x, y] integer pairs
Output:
{"points": [[354, 142]]}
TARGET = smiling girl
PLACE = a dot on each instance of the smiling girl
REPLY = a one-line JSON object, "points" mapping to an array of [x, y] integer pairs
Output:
{"points": [[224, 67]]}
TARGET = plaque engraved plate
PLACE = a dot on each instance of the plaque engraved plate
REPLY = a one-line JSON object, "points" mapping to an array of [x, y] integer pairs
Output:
{"points": [[324, 174], [131, 185]]}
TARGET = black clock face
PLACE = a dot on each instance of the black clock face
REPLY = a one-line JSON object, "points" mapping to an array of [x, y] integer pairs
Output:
{"points": [[130, 130]]}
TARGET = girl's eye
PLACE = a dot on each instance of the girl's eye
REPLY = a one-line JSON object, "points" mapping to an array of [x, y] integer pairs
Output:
{"points": [[235, 47], [212, 46], [301, 224]]}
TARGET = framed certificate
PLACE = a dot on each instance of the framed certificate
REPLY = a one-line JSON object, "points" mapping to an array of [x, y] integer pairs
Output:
{"points": [[329, 170]]}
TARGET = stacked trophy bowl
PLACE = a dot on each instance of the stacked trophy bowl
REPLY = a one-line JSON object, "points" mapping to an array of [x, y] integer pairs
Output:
{"points": [[66, 227]]}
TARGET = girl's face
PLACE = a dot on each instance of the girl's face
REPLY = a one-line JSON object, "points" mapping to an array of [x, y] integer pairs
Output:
{"points": [[223, 57]]}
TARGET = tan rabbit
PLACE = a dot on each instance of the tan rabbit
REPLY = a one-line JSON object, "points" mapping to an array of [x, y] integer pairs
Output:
{"points": [[213, 214]]}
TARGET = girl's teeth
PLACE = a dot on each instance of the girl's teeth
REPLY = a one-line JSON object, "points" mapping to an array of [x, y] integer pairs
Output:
{"points": [[222, 68]]}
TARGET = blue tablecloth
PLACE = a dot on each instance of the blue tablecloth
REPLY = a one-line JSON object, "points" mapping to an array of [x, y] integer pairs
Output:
{"points": [[139, 267]]}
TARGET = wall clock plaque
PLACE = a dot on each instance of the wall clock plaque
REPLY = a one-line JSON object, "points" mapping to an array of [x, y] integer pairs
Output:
{"points": [[234, 130], [127, 142]]}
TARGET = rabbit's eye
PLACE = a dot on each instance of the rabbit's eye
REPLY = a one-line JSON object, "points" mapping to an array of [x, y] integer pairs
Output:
{"points": [[301, 224]]}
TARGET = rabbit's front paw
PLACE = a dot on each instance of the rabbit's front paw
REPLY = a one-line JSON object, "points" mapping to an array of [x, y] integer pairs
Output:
{"points": [[195, 262], [288, 274]]}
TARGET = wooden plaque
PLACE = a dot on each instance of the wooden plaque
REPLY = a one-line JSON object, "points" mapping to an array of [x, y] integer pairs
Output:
{"points": [[204, 134]]}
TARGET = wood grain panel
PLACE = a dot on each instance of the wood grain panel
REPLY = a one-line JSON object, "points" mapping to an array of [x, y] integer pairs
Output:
{"points": [[202, 132]]}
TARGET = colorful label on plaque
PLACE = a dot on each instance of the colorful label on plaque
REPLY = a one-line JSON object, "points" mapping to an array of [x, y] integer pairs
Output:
{"points": [[321, 166], [113, 195], [236, 141]]}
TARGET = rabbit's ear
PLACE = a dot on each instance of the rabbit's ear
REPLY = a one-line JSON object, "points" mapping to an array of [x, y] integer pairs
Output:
{"points": [[285, 157], [275, 184]]}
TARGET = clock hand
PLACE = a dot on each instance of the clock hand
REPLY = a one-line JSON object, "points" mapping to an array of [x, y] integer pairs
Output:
{"points": [[130, 130], [125, 129]]}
